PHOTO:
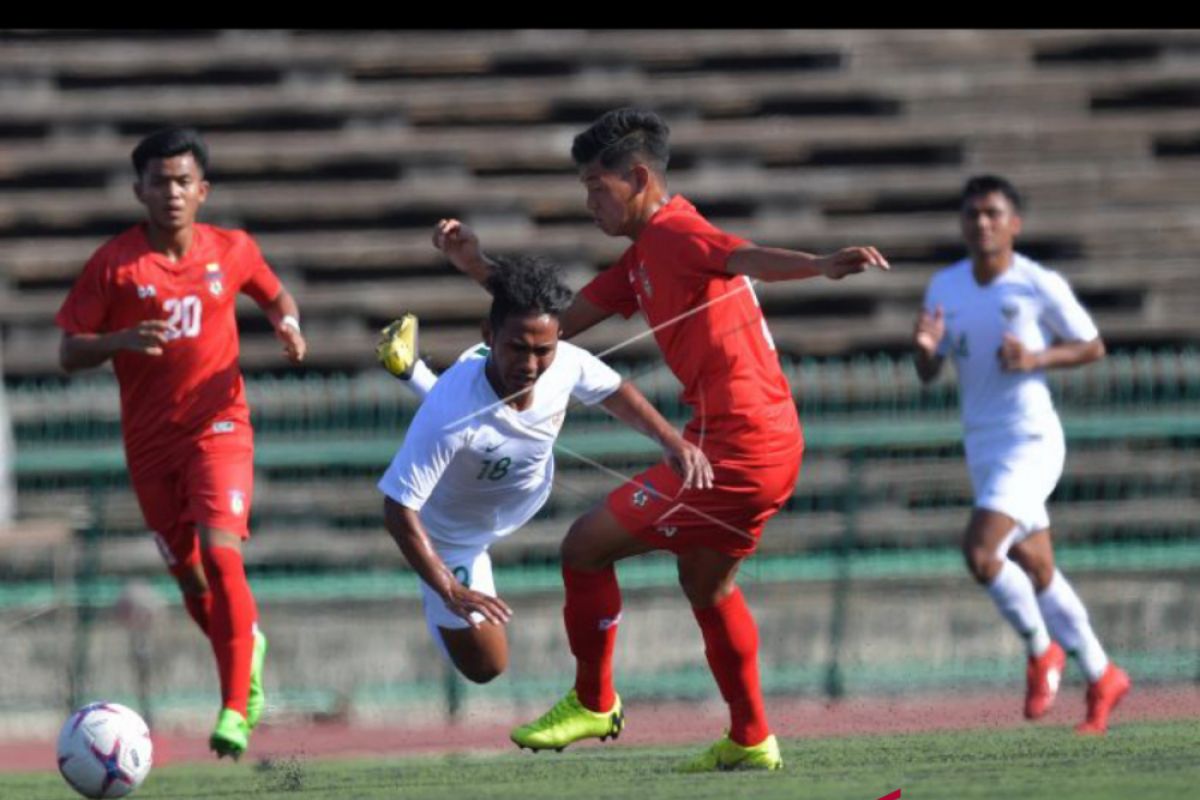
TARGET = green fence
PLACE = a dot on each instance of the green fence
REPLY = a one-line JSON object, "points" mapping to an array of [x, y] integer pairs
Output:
{"points": [[881, 503]]}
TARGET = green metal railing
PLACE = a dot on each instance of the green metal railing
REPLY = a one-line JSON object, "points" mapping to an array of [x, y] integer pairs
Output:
{"points": [[873, 435]]}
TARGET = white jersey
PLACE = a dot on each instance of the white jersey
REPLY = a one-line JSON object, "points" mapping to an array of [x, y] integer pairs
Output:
{"points": [[475, 468], [1032, 303]]}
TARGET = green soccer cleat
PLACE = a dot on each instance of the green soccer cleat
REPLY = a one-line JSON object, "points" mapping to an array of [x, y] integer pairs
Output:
{"points": [[397, 348], [727, 754], [257, 700], [231, 737], [569, 722]]}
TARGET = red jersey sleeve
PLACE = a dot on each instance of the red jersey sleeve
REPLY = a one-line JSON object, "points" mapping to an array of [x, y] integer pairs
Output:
{"points": [[86, 306], [610, 289], [258, 279], [692, 246]]}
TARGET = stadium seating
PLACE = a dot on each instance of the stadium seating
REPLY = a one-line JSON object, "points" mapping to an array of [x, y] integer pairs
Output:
{"points": [[328, 147]]}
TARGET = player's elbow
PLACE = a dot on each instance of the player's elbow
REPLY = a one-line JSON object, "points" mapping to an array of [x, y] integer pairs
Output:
{"points": [[67, 359]]}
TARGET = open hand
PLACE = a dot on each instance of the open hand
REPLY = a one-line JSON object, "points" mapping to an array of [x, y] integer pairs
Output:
{"points": [[852, 260], [929, 330]]}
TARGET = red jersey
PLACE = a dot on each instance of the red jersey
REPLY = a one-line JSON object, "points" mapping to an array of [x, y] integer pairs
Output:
{"points": [[709, 326], [196, 380]]}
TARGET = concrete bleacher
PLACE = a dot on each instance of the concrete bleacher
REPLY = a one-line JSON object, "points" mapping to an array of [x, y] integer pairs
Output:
{"points": [[338, 150]]}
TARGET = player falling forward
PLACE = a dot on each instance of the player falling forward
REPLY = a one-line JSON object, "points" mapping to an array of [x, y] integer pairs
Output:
{"points": [[693, 284], [478, 460], [1004, 320], [158, 300]]}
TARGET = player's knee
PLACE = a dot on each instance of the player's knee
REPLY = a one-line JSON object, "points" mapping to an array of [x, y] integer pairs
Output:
{"points": [[1040, 573], [576, 552], [983, 564], [190, 577]]}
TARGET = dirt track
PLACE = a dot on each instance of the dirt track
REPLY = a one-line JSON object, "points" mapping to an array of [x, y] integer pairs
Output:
{"points": [[664, 724]]}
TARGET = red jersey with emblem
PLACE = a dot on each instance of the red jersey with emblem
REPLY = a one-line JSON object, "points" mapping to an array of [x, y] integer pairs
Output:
{"points": [[196, 381], [711, 331]]}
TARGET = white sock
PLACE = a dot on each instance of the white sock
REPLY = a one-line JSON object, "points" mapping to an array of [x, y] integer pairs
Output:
{"points": [[1068, 622], [1013, 594], [422, 380]]}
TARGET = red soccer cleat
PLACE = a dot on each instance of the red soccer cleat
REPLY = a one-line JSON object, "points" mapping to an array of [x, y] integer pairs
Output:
{"points": [[1042, 678], [1102, 698]]}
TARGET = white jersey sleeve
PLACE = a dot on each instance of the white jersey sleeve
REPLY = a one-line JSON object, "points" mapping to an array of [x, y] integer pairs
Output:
{"points": [[429, 446], [1062, 313], [596, 380]]}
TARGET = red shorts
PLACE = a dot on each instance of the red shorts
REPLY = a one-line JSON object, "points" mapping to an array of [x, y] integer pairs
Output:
{"points": [[206, 481], [728, 517]]}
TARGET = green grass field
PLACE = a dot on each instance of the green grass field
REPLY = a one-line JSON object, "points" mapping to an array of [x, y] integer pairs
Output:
{"points": [[1143, 761]]}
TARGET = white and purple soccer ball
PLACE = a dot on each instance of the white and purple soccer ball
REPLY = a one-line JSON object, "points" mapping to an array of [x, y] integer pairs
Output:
{"points": [[104, 750]]}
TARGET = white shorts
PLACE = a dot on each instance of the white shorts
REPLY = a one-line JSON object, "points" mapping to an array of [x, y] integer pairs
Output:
{"points": [[473, 569], [1015, 474]]}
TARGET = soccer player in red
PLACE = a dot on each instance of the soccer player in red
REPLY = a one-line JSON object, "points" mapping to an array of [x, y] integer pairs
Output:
{"points": [[694, 285], [158, 300]]}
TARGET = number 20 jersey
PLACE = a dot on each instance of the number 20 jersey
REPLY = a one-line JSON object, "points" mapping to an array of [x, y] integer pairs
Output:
{"points": [[196, 380]]}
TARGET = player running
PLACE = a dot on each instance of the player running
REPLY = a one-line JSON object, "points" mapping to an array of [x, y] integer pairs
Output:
{"points": [[478, 459], [158, 300], [1004, 320], [693, 284]]}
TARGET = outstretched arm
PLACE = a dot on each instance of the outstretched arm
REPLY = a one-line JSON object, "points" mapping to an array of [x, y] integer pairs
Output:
{"points": [[461, 246], [689, 462], [771, 264], [404, 524]]}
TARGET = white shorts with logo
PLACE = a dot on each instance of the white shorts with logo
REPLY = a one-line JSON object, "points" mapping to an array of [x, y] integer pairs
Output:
{"points": [[473, 569], [1014, 474]]}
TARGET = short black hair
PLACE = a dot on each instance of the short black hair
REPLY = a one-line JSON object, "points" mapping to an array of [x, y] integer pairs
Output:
{"points": [[621, 133], [526, 285], [168, 142], [980, 185]]}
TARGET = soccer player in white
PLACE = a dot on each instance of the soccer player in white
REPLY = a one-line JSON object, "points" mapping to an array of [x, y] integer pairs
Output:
{"points": [[477, 461], [1004, 320]]}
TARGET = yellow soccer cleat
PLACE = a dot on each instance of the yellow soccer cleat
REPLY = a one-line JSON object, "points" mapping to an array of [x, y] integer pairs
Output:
{"points": [[257, 700], [569, 722], [397, 348], [231, 737], [727, 754]]}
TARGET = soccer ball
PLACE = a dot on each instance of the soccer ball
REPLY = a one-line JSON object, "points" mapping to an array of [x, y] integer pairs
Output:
{"points": [[104, 750]]}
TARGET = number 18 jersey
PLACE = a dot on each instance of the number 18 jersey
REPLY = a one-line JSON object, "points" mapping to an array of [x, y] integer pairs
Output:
{"points": [[475, 468]]}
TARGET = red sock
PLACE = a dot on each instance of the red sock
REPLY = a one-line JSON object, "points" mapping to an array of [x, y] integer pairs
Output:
{"points": [[199, 606], [731, 645], [231, 627], [591, 613]]}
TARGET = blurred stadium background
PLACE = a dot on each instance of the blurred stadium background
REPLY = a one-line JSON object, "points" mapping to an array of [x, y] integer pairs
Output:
{"points": [[339, 150]]}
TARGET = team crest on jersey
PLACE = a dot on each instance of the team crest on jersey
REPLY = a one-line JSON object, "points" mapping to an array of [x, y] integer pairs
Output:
{"points": [[214, 276], [146, 291], [642, 495], [1009, 311], [237, 501]]}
